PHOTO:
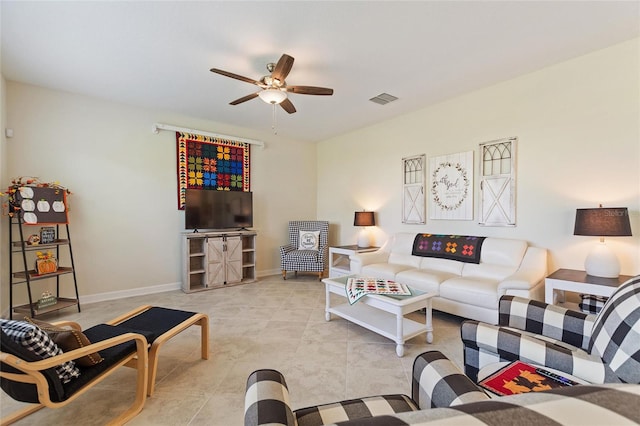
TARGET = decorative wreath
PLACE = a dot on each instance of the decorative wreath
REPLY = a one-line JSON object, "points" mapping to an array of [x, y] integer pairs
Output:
{"points": [[434, 186]]}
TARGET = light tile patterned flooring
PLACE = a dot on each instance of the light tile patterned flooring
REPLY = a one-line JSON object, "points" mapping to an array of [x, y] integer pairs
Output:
{"points": [[268, 324]]}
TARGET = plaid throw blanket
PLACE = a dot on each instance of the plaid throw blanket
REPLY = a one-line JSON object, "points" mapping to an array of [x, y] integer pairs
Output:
{"points": [[455, 247]]}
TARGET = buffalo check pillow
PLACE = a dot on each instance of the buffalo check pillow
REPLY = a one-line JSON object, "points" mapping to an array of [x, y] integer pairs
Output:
{"points": [[37, 341]]}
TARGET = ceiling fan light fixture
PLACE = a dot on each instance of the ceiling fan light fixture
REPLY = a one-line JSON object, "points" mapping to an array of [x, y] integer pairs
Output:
{"points": [[272, 96]]}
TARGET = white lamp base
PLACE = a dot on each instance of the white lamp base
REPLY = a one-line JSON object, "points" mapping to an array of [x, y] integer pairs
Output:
{"points": [[602, 262], [364, 239]]}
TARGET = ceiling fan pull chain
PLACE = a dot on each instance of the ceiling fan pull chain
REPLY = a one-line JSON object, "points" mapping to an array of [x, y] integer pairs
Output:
{"points": [[273, 120]]}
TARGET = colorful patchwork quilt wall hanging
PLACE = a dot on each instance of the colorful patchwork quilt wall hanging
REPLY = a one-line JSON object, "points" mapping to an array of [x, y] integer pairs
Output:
{"points": [[211, 163], [455, 247]]}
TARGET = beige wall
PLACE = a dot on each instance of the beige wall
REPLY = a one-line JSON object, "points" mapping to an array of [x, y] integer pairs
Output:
{"points": [[124, 219], [578, 125]]}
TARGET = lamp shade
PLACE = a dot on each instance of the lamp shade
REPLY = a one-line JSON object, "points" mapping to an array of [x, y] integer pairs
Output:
{"points": [[364, 219], [603, 222], [272, 96]]}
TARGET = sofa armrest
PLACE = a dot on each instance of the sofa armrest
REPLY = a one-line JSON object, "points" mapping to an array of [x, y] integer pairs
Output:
{"points": [[485, 344], [358, 260], [437, 382], [551, 321], [531, 272], [266, 400]]}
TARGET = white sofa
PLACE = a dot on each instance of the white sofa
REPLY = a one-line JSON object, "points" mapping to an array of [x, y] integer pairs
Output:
{"points": [[469, 290]]}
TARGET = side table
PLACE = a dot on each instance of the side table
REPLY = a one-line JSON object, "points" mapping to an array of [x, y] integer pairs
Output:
{"points": [[579, 282], [339, 263]]}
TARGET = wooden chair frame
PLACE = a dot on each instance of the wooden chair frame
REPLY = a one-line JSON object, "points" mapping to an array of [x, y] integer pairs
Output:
{"points": [[33, 374], [144, 359]]}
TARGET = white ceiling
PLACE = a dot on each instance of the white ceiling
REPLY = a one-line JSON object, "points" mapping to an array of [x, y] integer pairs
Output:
{"points": [[158, 54]]}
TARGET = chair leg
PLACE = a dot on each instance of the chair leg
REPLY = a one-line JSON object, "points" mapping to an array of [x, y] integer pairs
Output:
{"points": [[284, 274], [320, 274]]}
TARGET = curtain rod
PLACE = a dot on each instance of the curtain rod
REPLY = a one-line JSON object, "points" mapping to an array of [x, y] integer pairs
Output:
{"points": [[160, 126]]}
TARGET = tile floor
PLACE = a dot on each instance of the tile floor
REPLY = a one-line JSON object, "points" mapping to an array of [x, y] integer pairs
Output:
{"points": [[268, 324]]}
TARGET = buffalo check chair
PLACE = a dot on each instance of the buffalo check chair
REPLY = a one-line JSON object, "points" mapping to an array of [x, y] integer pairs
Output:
{"points": [[295, 257], [602, 348], [442, 395]]}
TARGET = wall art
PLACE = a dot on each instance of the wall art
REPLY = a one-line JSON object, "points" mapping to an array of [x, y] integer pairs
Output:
{"points": [[413, 191], [211, 163], [451, 186], [497, 206]]}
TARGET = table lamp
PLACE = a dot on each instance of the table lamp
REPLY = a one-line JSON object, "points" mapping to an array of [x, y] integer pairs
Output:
{"points": [[364, 219], [602, 222]]}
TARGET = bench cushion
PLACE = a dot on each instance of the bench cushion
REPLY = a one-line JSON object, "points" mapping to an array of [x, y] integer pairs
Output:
{"points": [[110, 355]]}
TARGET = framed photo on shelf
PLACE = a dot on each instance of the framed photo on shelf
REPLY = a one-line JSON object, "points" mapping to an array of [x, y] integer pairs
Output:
{"points": [[47, 234]]}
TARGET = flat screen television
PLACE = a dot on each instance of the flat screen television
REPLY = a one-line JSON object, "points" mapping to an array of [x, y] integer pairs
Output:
{"points": [[210, 209]]}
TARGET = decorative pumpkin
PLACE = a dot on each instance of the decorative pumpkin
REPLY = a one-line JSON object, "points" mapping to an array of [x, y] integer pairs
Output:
{"points": [[46, 266], [30, 217], [28, 205], [26, 192], [43, 206], [58, 206]]}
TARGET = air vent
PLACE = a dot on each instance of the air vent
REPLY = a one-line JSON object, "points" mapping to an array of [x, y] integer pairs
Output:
{"points": [[383, 99]]}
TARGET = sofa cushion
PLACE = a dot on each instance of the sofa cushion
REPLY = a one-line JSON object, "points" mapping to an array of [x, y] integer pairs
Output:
{"points": [[477, 292], [443, 265], [401, 250], [503, 252], [354, 409], [423, 279], [385, 271], [486, 271]]}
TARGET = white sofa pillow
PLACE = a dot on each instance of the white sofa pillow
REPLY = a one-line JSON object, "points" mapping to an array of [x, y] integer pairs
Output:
{"points": [[309, 240]]}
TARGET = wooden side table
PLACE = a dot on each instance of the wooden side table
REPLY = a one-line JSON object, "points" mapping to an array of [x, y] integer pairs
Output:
{"points": [[339, 263], [578, 281]]}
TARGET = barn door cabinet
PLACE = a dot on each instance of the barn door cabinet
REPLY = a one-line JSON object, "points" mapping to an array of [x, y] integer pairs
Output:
{"points": [[217, 259]]}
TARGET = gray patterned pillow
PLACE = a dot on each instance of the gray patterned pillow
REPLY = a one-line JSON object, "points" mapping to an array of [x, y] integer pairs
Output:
{"points": [[37, 341]]}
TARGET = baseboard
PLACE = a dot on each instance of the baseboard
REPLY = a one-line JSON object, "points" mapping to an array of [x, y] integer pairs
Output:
{"points": [[121, 294], [267, 273]]}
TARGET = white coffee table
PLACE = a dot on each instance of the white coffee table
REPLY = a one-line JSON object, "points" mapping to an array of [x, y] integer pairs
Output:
{"points": [[382, 314]]}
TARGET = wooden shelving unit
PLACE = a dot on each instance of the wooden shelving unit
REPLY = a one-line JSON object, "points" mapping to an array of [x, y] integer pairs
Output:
{"points": [[22, 258]]}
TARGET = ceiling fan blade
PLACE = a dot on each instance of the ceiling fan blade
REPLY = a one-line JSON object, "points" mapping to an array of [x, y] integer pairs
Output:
{"points": [[288, 106], [310, 90], [244, 99], [282, 68], [236, 76]]}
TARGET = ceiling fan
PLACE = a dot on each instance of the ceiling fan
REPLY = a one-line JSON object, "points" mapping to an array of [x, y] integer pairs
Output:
{"points": [[274, 87]]}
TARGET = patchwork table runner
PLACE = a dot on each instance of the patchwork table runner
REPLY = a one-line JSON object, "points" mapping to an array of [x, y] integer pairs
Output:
{"points": [[358, 287], [455, 247]]}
